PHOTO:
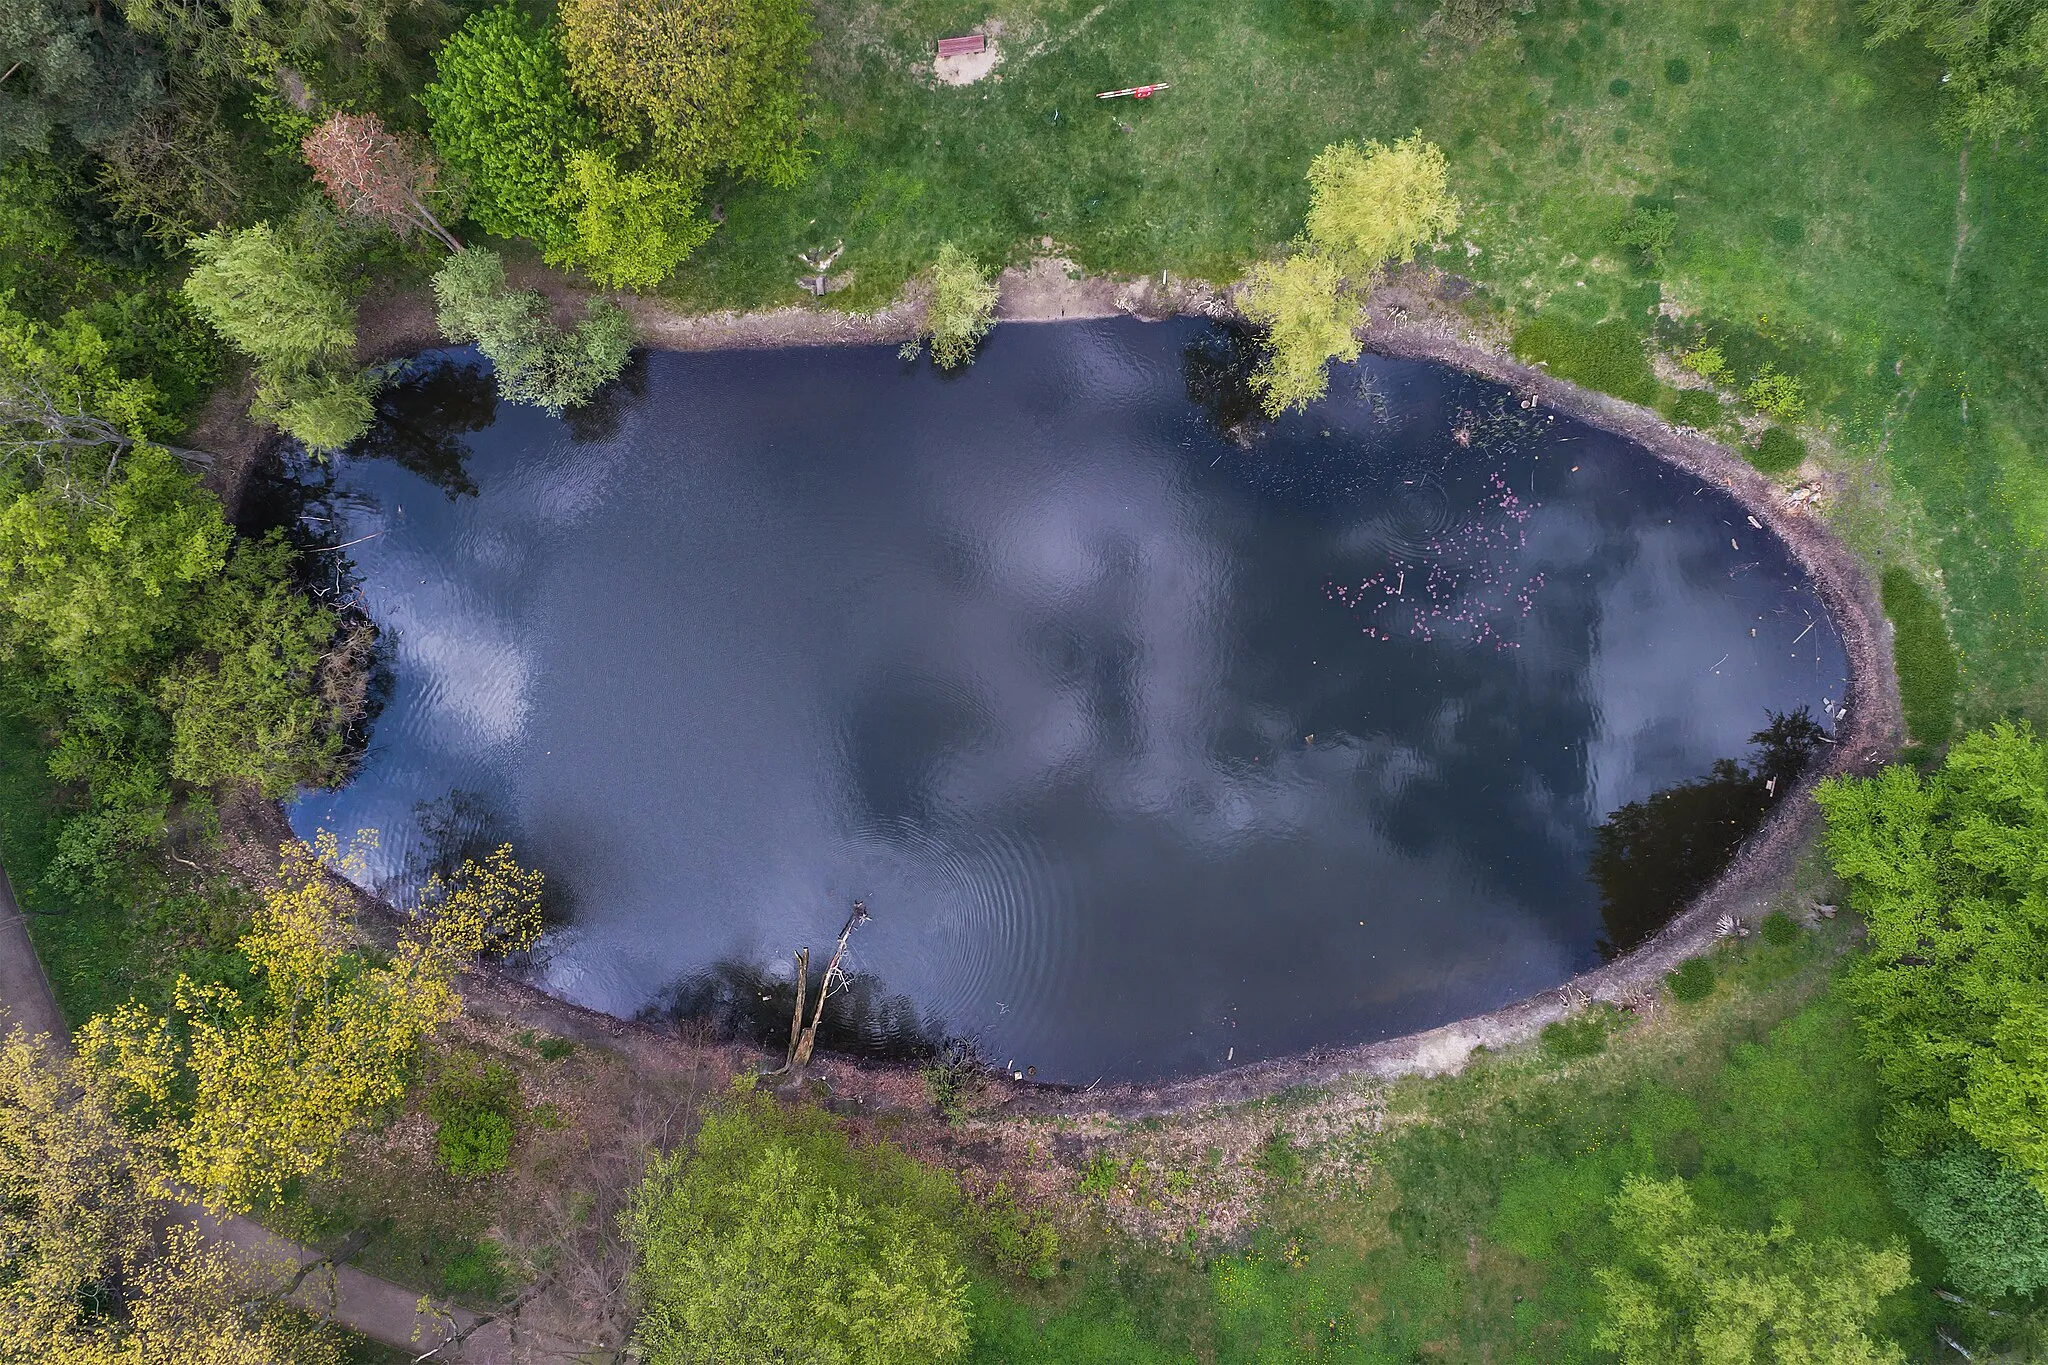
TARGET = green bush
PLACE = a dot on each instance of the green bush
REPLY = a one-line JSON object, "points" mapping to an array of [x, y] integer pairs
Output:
{"points": [[1619, 87], [1101, 1175], [1990, 1224], [1777, 394], [1692, 980], [535, 361], [1678, 71], [473, 1103], [772, 1238], [1696, 408], [1925, 658], [1780, 929], [1021, 1242], [961, 309], [1580, 1036], [1608, 357], [1778, 451]]}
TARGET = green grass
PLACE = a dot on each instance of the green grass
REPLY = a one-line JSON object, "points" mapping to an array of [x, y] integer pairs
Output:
{"points": [[1477, 1232], [1607, 356], [1926, 659], [1816, 212]]}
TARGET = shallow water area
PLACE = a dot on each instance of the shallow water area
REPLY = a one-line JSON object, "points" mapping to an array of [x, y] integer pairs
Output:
{"points": [[1152, 742]]}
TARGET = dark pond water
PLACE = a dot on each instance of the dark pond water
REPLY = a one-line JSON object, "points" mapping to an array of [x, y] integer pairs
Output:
{"points": [[1150, 741]]}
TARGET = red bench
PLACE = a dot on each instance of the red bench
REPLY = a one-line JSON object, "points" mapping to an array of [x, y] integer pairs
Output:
{"points": [[962, 47]]}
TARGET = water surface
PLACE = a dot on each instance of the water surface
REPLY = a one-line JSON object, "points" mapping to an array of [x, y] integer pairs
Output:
{"points": [[1149, 745]]}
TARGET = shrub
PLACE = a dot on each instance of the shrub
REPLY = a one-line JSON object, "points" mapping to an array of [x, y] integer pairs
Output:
{"points": [[1310, 320], [1021, 1242], [1101, 1176], [1780, 929], [1608, 357], [535, 361], [502, 114], [1696, 408], [773, 1239], [1926, 660], [1705, 361], [1777, 452], [1580, 1036], [1619, 87], [1372, 206], [1678, 71], [477, 1272], [1649, 229], [473, 1103], [1777, 394], [1691, 981], [629, 229], [961, 309], [1990, 1224], [1280, 1160]]}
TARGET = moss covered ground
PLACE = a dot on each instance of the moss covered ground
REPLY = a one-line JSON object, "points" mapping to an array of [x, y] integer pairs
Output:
{"points": [[1820, 227]]}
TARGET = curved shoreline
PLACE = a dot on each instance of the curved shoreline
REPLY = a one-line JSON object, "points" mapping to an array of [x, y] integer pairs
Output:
{"points": [[1866, 738]]}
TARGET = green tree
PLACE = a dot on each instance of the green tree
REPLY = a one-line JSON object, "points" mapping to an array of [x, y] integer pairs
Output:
{"points": [[246, 704], [71, 69], [1950, 872], [1990, 1224], [100, 1270], [1372, 206], [773, 1240], [959, 309], [1310, 318], [629, 229], [503, 115], [703, 86], [1691, 1292], [273, 295], [277, 1078], [1997, 56], [536, 361]]}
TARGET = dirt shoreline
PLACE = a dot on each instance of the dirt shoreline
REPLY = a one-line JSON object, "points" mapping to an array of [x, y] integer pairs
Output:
{"points": [[1411, 322]]}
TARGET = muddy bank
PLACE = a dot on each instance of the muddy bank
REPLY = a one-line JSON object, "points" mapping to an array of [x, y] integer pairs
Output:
{"points": [[1414, 322]]}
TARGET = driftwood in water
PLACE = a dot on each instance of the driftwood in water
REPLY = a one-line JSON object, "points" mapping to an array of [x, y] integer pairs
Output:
{"points": [[802, 1037]]}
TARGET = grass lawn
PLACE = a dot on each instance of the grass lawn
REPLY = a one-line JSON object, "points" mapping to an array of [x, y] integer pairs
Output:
{"points": [[1482, 1212], [1821, 226]]}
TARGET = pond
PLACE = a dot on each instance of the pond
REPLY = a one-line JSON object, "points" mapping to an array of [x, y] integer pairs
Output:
{"points": [[1153, 737]]}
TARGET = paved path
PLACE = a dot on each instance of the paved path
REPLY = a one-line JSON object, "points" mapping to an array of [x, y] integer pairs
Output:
{"points": [[376, 1308]]}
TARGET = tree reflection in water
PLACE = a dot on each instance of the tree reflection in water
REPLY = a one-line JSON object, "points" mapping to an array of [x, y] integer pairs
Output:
{"points": [[740, 1000], [1651, 857], [422, 419]]}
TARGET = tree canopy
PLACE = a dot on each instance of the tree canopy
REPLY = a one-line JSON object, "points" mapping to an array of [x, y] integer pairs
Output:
{"points": [[100, 1271], [536, 361], [1372, 206], [703, 86], [1991, 1225], [773, 1240], [1310, 320], [961, 307], [1692, 1292], [504, 116], [1997, 56], [280, 1075], [1951, 874], [274, 296]]}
